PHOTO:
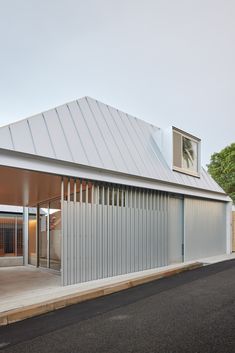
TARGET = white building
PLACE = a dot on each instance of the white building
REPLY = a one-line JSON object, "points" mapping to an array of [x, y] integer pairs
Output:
{"points": [[112, 194]]}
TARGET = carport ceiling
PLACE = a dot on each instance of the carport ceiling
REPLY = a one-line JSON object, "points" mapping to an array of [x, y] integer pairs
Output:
{"points": [[22, 187]]}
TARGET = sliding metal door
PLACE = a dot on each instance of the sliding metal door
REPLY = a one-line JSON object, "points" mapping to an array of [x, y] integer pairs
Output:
{"points": [[205, 228], [176, 230]]}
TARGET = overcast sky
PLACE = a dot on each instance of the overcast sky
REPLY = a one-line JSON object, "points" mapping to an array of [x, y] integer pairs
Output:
{"points": [[169, 62]]}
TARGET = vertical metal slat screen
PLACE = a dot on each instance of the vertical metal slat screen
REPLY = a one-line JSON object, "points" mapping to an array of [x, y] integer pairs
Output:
{"points": [[113, 232]]}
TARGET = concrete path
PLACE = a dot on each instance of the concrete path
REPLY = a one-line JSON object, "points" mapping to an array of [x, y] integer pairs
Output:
{"points": [[188, 313], [42, 292], [29, 291], [24, 284]]}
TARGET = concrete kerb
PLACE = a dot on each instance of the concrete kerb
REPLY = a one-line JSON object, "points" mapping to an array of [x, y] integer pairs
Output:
{"points": [[43, 307]]}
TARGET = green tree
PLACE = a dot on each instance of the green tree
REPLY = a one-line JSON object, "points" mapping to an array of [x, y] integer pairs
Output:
{"points": [[222, 169]]}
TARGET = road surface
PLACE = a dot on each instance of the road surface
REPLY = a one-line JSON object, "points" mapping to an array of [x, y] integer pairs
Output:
{"points": [[190, 312]]}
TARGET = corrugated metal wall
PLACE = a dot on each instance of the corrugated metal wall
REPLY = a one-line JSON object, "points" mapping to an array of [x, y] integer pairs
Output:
{"points": [[113, 232], [205, 228]]}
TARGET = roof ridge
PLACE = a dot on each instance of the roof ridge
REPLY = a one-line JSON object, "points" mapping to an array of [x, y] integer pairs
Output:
{"points": [[41, 112], [121, 111], [72, 101]]}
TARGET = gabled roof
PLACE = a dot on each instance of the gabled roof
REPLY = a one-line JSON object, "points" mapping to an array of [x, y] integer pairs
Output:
{"points": [[90, 133]]}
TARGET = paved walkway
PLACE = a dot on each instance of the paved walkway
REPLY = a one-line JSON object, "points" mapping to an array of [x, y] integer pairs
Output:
{"points": [[22, 286], [25, 284]]}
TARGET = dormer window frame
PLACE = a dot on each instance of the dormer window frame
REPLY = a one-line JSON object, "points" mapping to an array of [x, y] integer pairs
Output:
{"points": [[196, 141]]}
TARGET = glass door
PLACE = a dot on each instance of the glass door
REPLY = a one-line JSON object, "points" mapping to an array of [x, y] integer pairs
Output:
{"points": [[55, 235], [43, 235], [32, 240], [50, 235]]}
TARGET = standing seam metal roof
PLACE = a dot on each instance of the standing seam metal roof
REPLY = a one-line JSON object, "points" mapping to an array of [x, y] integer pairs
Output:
{"points": [[91, 133]]}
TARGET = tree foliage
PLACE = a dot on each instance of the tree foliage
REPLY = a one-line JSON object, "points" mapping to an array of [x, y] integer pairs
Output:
{"points": [[222, 169]]}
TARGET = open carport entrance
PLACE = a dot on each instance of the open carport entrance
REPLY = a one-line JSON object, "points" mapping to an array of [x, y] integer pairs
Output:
{"points": [[40, 195]]}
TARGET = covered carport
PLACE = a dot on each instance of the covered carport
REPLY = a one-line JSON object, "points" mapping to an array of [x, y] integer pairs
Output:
{"points": [[30, 188], [35, 192]]}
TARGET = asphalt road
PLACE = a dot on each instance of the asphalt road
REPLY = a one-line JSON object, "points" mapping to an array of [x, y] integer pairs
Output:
{"points": [[190, 312]]}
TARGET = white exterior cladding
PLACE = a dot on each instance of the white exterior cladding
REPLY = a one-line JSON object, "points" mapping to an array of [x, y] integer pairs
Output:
{"points": [[153, 225]]}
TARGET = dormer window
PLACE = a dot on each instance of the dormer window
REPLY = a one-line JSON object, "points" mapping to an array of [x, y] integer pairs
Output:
{"points": [[186, 152]]}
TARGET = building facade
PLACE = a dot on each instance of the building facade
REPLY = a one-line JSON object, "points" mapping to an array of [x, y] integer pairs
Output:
{"points": [[112, 194]]}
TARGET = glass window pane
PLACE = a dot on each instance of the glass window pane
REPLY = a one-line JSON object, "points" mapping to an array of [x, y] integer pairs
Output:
{"points": [[55, 234], [32, 229], [19, 236], [189, 154], [43, 222], [11, 235]]}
